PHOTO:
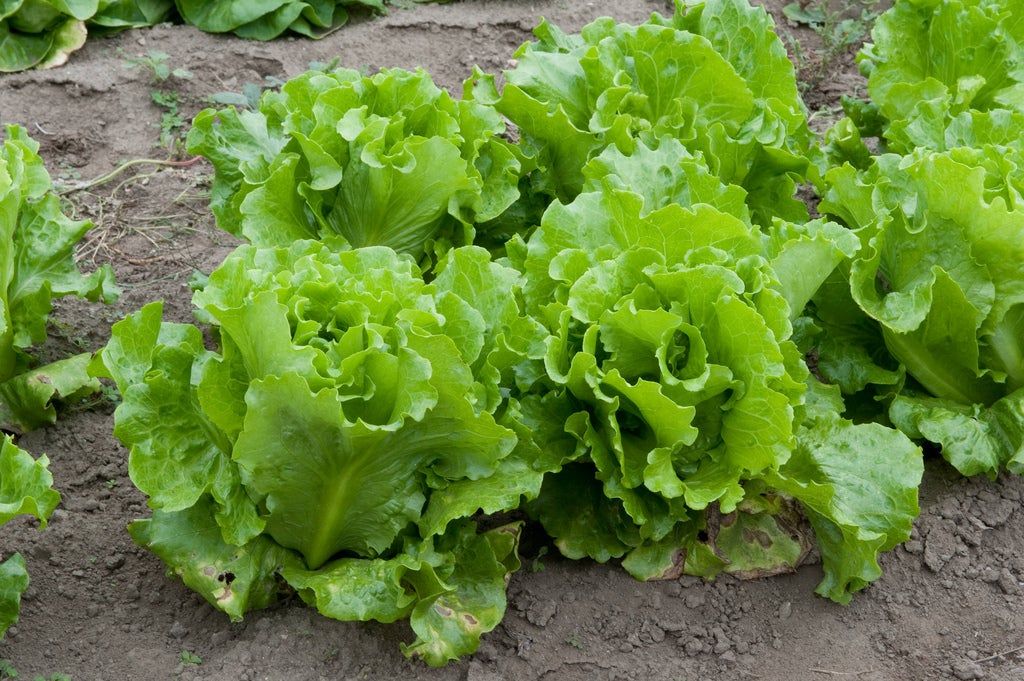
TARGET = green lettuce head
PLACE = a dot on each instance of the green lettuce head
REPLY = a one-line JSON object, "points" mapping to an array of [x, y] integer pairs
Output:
{"points": [[715, 77], [266, 20], [307, 449], [941, 74], [691, 434], [936, 292], [388, 160]]}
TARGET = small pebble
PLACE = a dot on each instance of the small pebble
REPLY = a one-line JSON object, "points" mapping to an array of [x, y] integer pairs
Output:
{"points": [[968, 670], [178, 630]]}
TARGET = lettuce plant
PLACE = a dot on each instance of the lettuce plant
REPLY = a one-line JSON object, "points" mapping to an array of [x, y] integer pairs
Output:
{"points": [[43, 33], [715, 76], [928, 318], [263, 20], [941, 74], [309, 448], [938, 288], [25, 489], [682, 428], [37, 265], [388, 160]]}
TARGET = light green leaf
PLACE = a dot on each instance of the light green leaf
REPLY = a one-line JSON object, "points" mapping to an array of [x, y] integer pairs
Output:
{"points": [[25, 484], [357, 589], [233, 579], [25, 489], [472, 571], [27, 400], [858, 485], [13, 583], [975, 439]]}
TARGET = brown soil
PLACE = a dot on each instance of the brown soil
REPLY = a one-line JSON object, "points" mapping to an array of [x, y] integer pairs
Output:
{"points": [[100, 609]]}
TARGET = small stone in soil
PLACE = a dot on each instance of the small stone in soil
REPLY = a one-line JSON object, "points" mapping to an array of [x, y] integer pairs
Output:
{"points": [[82, 505], [541, 613], [695, 600], [1007, 582], [968, 670]]}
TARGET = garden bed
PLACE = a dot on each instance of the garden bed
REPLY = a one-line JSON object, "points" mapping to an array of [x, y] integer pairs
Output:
{"points": [[101, 609]]}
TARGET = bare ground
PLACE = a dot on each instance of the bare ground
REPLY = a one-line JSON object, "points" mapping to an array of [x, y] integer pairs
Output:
{"points": [[98, 609]]}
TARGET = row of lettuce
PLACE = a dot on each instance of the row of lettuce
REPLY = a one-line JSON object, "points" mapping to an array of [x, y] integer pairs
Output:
{"points": [[44, 33], [623, 325]]}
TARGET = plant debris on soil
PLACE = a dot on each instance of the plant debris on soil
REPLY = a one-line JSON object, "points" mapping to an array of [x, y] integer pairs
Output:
{"points": [[100, 609]]}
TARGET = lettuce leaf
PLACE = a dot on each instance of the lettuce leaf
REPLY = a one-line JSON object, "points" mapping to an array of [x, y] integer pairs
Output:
{"points": [[858, 505], [25, 489]]}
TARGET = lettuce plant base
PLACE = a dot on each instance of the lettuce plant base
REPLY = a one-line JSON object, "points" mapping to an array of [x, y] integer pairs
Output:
{"points": [[99, 608]]}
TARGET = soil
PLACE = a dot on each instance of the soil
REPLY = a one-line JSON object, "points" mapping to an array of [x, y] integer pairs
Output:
{"points": [[99, 609]]}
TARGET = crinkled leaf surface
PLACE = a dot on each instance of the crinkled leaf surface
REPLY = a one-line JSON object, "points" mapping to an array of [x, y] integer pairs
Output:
{"points": [[691, 78], [939, 290], [383, 160], [858, 485], [308, 445]]}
